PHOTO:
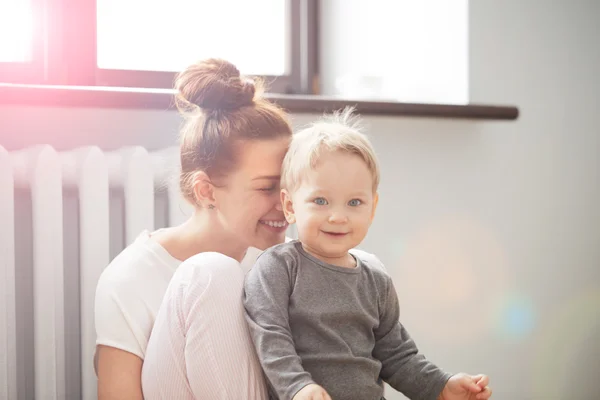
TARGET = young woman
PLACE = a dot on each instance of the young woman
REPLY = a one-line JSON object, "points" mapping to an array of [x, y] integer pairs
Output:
{"points": [[232, 147]]}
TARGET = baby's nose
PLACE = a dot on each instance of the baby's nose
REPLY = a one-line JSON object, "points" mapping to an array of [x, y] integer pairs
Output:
{"points": [[338, 217]]}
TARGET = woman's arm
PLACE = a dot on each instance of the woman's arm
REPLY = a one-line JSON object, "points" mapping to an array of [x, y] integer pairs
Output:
{"points": [[119, 374], [120, 317]]}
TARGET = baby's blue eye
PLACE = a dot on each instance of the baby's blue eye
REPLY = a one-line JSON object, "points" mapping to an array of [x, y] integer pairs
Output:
{"points": [[320, 201], [355, 202]]}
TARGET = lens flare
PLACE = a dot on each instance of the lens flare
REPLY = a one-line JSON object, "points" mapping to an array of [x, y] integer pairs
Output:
{"points": [[453, 271], [515, 317]]}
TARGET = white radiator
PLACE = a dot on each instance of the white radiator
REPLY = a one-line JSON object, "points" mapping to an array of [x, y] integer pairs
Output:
{"points": [[64, 216]]}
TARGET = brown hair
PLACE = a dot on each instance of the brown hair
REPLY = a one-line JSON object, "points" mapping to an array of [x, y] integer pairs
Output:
{"points": [[220, 108]]}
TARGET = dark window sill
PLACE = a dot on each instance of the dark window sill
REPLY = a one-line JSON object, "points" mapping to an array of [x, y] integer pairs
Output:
{"points": [[162, 99]]}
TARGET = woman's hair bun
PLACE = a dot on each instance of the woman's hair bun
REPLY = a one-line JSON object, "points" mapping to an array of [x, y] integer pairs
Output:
{"points": [[215, 84]]}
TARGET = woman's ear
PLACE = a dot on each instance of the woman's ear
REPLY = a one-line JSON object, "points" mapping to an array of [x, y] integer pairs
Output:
{"points": [[288, 207], [204, 190]]}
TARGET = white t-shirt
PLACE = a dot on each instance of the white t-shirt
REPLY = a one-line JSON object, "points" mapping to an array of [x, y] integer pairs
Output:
{"points": [[130, 292], [132, 287]]}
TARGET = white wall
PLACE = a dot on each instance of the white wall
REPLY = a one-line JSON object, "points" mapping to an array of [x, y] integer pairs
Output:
{"points": [[542, 187], [490, 229]]}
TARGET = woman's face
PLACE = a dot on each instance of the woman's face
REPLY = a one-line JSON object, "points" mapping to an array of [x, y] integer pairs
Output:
{"points": [[249, 203]]}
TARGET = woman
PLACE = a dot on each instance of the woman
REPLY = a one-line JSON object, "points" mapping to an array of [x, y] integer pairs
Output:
{"points": [[232, 147]]}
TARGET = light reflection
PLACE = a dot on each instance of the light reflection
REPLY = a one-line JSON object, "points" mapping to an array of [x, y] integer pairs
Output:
{"points": [[515, 317], [16, 31], [453, 271]]}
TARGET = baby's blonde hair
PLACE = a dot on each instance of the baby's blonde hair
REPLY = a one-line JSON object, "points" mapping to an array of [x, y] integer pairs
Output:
{"points": [[340, 131]]}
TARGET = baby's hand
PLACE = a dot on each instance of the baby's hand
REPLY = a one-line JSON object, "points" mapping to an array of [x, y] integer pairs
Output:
{"points": [[466, 387], [312, 392]]}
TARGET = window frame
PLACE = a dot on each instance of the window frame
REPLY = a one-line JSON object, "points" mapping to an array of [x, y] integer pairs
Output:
{"points": [[65, 54]]}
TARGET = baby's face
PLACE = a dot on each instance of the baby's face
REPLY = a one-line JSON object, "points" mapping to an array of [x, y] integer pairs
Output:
{"points": [[334, 205]]}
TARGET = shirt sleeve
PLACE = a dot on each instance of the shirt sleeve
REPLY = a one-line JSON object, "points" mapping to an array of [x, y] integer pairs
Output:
{"points": [[115, 309], [266, 296], [200, 347], [403, 367]]}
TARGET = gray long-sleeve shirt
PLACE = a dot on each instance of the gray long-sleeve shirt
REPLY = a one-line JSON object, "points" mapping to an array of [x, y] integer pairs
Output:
{"points": [[312, 322]]}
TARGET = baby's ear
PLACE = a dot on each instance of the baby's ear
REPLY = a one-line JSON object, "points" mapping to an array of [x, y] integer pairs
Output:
{"points": [[375, 201], [288, 207]]}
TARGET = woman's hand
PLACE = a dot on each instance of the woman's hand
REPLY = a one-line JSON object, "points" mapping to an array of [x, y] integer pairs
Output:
{"points": [[312, 392]]}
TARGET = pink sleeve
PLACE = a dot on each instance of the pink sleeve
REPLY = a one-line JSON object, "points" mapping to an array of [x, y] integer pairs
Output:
{"points": [[200, 345]]}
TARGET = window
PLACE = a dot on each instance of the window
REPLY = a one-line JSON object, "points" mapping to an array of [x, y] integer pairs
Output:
{"points": [[169, 35], [16, 31], [166, 36], [20, 41], [403, 50], [138, 43]]}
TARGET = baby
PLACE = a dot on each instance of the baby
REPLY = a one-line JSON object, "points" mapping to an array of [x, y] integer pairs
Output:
{"points": [[324, 317]]}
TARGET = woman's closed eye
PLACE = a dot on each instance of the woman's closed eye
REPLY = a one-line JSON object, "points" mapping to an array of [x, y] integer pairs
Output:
{"points": [[268, 188]]}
